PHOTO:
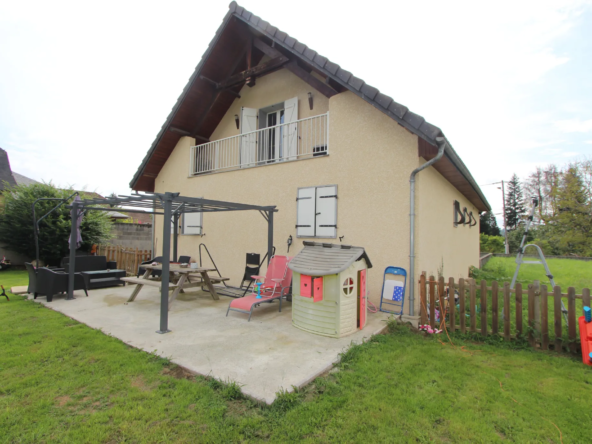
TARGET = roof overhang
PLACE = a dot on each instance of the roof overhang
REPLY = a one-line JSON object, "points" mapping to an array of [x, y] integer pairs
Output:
{"points": [[205, 100]]}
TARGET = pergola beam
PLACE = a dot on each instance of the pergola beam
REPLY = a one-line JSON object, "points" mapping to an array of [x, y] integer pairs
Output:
{"points": [[169, 205]]}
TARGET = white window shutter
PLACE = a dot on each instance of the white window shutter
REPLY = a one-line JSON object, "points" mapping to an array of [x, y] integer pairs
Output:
{"points": [[248, 148], [326, 211], [290, 132], [192, 223], [305, 213]]}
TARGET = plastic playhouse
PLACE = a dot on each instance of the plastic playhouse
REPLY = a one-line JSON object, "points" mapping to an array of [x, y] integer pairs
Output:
{"points": [[329, 289], [586, 336]]}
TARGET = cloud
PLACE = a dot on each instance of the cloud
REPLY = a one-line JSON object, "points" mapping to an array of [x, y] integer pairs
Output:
{"points": [[574, 125]]}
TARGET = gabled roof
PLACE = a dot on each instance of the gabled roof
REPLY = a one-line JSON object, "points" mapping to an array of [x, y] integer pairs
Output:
{"points": [[322, 259], [202, 104], [23, 180], [6, 176]]}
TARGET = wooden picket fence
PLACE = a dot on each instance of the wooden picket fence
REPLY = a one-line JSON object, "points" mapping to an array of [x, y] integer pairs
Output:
{"points": [[526, 311], [128, 259]]}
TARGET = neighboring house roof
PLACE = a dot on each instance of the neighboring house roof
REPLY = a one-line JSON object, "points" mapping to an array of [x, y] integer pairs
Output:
{"points": [[23, 180], [202, 104], [6, 176], [319, 259], [117, 215]]}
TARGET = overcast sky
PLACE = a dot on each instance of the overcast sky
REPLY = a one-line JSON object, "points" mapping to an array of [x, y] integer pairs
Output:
{"points": [[86, 86]]}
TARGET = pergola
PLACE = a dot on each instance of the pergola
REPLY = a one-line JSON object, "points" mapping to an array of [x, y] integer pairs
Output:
{"points": [[171, 206]]}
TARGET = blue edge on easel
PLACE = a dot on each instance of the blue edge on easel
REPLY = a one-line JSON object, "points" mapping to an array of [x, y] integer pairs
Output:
{"points": [[398, 271]]}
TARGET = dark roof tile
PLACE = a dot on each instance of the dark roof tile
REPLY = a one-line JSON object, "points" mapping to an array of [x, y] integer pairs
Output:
{"points": [[331, 67], [415, 120], [309, 54], [320, 60], [369, 91], [271, 30], [281, 35], [383, 100], [430, 130], [246, 14], [290, 42], [254, 19], [343, 75], [397, 109], [299, 47], [355, 82]]}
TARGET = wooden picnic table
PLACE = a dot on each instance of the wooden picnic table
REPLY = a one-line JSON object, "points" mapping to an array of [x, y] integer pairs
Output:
{"points": [[180, 279]]}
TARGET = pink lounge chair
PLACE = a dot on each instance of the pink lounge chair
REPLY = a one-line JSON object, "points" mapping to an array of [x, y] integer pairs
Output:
{"points": [[276, 284]]}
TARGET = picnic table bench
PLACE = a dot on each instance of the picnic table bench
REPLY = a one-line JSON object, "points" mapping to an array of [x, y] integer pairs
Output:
{"points": [[180, 279]]}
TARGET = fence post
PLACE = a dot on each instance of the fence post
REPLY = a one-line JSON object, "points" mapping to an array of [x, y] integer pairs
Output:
{"points": [[422, 297], [586, 297], [530, 308], [452, 304], [507, 314], [544, 318], [518, 309], [494, 308], [461, 305], [484, 307], [557, 318], [472, 302], [537, 306], [571, 318], [432, 302], [443, 309]]}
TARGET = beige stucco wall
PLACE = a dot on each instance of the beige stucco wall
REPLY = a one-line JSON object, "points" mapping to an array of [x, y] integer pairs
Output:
{"points": [[442, 247], [370, 159]]}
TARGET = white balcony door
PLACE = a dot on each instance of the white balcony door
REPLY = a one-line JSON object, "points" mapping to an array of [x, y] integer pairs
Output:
{"points": [[290, 132], [248, 145]]}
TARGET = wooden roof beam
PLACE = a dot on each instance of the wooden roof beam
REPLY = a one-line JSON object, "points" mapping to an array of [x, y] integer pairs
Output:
{"points": [[323, 87], [258, 70]]}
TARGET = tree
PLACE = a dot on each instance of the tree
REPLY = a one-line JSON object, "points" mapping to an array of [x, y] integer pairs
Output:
{"points": [[16, 223], [572, 222], [488, 224], [515, 208]]}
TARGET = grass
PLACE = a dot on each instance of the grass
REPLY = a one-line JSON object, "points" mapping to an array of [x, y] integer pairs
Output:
{"points": [[64, 382], [566, 272]]}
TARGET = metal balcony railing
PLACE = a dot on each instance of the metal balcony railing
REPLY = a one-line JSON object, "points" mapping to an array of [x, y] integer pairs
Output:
{"points": [[302, 139]]}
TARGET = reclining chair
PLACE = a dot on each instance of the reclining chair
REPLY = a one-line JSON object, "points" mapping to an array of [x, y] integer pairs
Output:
{"points": [[274, 285]]}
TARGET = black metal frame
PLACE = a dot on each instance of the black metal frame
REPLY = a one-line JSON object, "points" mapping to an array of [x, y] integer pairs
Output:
{"points": [[172, 206]]}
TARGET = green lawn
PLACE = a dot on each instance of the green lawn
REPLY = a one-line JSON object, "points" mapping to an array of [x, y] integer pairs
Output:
{"points": [[566, 272], [64, 382]]}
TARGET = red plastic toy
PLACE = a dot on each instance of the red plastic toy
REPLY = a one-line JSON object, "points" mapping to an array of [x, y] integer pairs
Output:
{"points": [[586, 340]]}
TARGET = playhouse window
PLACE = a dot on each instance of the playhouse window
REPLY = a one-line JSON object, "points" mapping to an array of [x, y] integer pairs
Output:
{"points": [[348, 286], [316, 214]]}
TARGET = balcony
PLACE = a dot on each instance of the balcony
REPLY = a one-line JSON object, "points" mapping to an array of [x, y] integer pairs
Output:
{"points": [[301, 139]]}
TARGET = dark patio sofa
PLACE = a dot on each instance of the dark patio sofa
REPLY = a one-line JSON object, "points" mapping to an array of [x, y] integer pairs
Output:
{"points": [[89, 263], [85, 264], [47, 282]]}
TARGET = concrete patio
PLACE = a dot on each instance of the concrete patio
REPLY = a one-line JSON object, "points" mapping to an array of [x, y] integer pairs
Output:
{"points": [[263, 356]]}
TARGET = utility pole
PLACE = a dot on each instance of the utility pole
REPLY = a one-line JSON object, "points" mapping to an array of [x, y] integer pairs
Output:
{"points": [[503, 188]]}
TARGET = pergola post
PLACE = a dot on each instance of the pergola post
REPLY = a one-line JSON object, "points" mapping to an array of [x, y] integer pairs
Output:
{"points": [[175, 234], [269, 235], [167, 204], [72, 261]]}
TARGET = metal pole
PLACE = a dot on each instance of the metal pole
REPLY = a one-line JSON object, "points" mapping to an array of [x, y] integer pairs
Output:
{"points": [[175, 235], [72, 262], [36, 236], [269, 235], [166, 257], [507, 246]]}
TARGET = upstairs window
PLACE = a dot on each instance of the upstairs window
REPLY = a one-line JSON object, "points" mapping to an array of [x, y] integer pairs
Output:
{"points": [[316, 214]]}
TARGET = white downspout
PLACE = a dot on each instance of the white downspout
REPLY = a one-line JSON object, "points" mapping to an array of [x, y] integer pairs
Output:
{"points": [[442, 145]]}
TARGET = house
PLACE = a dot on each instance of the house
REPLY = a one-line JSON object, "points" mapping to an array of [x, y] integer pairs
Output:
{"points": [[266, 120]]}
